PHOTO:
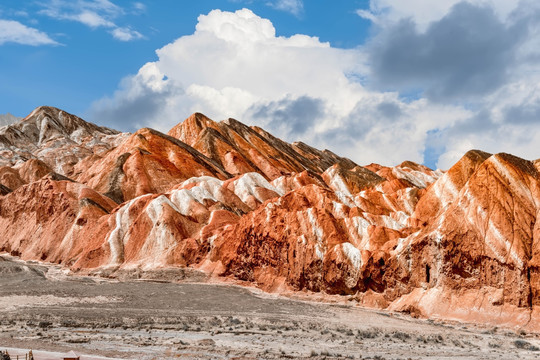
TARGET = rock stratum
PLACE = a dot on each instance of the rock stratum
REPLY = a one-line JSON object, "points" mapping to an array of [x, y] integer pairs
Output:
{"points": [[238, 203]]}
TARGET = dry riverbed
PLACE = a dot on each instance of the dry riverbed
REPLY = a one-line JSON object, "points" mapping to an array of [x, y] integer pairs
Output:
{"points": [[43, 307]]}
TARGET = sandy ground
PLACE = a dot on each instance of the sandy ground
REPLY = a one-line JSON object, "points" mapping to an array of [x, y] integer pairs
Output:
{"points": [[44, 308]]}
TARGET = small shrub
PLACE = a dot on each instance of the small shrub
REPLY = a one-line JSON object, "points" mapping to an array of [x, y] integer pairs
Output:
{"points": [[457, 343], [368, 334], [522, 344], [401, 335], [45, 324]]}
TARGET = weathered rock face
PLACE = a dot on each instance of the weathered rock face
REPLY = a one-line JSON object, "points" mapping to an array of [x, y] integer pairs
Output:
{"points": [[7, 119], [44, 220], [178, 227], [477, 251], [55, 137], [237, 202], [241, 149], [146, 162]]}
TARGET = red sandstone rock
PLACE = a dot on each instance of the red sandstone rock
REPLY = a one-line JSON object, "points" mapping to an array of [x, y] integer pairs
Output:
{"points": [[10, 178], [33, 170], [43, 220], [146, 162], [240, 149], [233, 199]]}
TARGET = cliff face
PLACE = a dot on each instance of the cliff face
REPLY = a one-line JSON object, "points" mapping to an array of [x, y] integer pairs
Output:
{"points": [[236, 201], [479, 249]]}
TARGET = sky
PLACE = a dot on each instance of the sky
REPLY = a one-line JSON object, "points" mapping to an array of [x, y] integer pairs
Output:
{"points": [[375, 80]]}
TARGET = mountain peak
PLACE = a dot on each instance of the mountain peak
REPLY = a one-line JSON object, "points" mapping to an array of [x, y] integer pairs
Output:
{"points": [[240, 148], [47, 128], [55, 120], [191, 127]]}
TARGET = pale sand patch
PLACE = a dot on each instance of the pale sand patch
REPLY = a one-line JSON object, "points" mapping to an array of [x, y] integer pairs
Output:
{"points": [[13, 302]]}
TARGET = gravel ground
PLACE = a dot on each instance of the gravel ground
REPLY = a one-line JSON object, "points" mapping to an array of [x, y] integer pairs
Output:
{"points": [[43, 307]]}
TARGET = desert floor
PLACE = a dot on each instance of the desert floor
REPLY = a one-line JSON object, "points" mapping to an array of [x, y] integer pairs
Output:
{"points": [[146, 316]]}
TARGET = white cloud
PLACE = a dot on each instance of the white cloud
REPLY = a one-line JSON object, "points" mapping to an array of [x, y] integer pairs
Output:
{"points": [[139, 7], [423, 12], [293, 6], [94, 14], [297, 87], [15, 32], [482, 54], [125, 34], [70, 10], [300, 88], [91, 19], [509, 121]]}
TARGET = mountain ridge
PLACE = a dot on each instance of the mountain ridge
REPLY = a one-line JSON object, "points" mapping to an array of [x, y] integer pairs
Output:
{"points": [[238, 203]]}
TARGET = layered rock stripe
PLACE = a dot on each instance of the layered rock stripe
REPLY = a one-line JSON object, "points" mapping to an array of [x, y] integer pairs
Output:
{"points": [[237, 202]]}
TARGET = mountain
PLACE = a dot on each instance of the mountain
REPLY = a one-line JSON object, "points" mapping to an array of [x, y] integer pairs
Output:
{"points": [[146, 162], [7, 119], [238, 203], [240, 148], [55, 137]]}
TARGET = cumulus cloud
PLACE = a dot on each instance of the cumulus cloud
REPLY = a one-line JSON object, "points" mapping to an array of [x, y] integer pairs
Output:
{"points": [[289, 116], [476, 54], [94, 14], [507, 121], [297, 87], [14, 32], [469, 52], [472, 70], [138, 99], [423, 12]]}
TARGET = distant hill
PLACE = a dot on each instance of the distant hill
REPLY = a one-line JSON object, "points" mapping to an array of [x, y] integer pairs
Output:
{"points": [[8, 119]]}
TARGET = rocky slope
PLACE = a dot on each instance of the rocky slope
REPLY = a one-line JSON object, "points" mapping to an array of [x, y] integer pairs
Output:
{"points": [[237, 202], [241, 149], [7, 119], [55, 137]]}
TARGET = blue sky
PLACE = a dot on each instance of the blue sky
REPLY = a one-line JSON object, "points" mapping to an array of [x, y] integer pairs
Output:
{"points": [[89, 62], [375, 80]]}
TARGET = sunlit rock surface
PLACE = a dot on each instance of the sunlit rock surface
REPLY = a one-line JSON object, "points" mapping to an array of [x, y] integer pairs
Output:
{"points": [[241, 204]]}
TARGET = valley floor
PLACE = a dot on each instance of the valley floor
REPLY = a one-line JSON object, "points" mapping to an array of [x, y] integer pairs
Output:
{"points": [[43, 308]]}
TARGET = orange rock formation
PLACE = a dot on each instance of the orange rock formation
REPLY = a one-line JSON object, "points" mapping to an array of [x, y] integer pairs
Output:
{"points": [[238, 202]]}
